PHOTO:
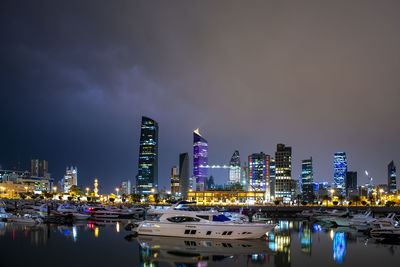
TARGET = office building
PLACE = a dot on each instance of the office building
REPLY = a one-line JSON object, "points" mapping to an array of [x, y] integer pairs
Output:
{"points": [[235, 169], [272, 177], [340, 171], [259, 173], [351, 184], [175, 183], [392, 186], [184, 174], [200, 160], [283, 173], [40, 168], [126, 187], [70, 178], [147, 178], [307, 180]]}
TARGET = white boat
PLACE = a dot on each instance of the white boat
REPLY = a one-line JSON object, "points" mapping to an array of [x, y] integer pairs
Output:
{"points": [[259, 217], [200, 224], [26, 219], [386, 229], [357, 219], [111, 213], [3, 213], [80, 216], [330, 215], [362, 222]]}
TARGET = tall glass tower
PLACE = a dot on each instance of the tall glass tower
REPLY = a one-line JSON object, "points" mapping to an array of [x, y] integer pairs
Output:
{"points": [[340, 171], [200, 160], [234, 168], [259, 170], [184, 173], [283, 173], [307, 179], [392, 178], [147, 178]]}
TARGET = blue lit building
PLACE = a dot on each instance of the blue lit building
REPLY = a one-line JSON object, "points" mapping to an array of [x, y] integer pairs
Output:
{"points": [[200, 160], [307, 179], [259, 169], [392, 186], [340, 171], [147, 178]]}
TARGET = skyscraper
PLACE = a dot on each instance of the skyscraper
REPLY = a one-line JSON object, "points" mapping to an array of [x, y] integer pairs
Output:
{"points": [[70, 178], [126, 187], [272, 176], [147, 178], [40, 168], [283, 172], [392, 186], [175, 183], [259, 173], [234, 168], [307, 180], [340, 171], [200, 160], [351, 183], [184, 174]]}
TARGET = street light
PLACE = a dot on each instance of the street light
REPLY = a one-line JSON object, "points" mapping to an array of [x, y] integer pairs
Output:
{"points": [[54, 189], [26, 189], [117, 189], [87, 191]]}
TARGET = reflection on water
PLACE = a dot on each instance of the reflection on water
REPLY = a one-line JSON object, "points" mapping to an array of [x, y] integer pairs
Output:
{"points": [[291, 242]]}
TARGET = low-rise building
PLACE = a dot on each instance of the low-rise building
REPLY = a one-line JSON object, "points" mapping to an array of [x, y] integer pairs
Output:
{"points": [[226, 197]]}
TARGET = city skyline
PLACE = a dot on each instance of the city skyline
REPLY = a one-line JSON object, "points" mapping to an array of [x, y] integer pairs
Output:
{"points": [[249, 77]]}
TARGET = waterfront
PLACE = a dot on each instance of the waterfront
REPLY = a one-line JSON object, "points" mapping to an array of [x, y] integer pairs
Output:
{"points": [[292, 243]]}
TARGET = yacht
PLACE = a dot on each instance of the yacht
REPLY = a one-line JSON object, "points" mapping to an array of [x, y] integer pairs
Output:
{"points": [[358, 219], [385, 229], [199, 224], [26, 219], [111, 213], [362, 222]]}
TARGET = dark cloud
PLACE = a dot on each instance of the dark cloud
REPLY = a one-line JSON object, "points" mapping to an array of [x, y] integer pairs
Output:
{"points": [[320, 76]]}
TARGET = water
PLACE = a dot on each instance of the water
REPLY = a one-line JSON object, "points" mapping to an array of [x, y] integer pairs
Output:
{"points": [[293, 243]]}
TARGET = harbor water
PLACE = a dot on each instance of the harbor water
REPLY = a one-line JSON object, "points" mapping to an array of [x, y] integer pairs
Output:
{"points": [[292, 243]]}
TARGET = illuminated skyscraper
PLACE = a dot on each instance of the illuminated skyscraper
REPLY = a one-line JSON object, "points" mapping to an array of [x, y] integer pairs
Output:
{"points": [[351, 183], [307, 180], [340, 171], [126, 187], [272, 176], [234, 168], [392, 186], [184, 174], [200, 160], [70, 178], [175, 183], [259, 173], [283, 172], [147, 178]]}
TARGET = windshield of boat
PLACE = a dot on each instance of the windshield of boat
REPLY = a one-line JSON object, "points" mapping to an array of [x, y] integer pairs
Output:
{"points": [[180, 219], [220, 218]]}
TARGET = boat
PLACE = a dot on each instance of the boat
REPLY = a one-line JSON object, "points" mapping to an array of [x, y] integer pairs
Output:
{"points": [[26, 219], [347, 221], [362, 222], [386, 229], [111, 213], [260, 217], [80, 216], [199, 224], [3, 214], [330, 215]]}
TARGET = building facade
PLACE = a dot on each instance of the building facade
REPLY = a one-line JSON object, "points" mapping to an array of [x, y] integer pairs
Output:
{"points": [[351, 184], [175, 183], [259, 173], [70, 178], [147, 178], [126, 187], [392, 185], [272, 177], [200, 160], [184, 174], [340, 172], [40, 168], [283, 173], [307, 180], [235, 169]]}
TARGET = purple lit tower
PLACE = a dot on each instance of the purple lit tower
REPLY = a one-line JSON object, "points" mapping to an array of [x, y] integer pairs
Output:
{"points": [[200, 158]]}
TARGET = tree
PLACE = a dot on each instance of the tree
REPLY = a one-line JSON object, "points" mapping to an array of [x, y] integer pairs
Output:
{"points": [[157, 198], [22, 195], [135, 198], [111, 199], [304, 203], [325, 199], [298, 197], [356, 199], [277, 201]]}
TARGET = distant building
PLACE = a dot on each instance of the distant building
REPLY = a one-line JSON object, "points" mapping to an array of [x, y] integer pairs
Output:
{"points": [[340, 171], [175, 183], [272, 177], [259, 173], [351, 183], [147, 179], [184, 174], [12, 175], [210, 183], [392, 186], [295, 189], [307, 180], [200, 160], [383, 187], [40, 168], [283, 173], [126, 187], [235, 169], [70, 178]]}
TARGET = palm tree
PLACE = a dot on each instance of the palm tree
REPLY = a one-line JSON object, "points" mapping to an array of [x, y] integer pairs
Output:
{"points": [[326, 198], [341, 199]]}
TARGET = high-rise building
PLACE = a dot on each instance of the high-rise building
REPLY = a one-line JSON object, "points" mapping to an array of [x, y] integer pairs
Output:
{"points": [[235, 169], [283, 172], [200, 160], [184, 174], [147, 178], [307, 180], [175, 183], [126, 187], [351, 183], [70, 178], [40, 168], [340, 171], [392, 186], [259, 173], [272, 177]]}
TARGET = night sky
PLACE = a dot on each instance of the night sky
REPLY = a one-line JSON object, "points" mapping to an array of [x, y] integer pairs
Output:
{"points": [[320, 76]]}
